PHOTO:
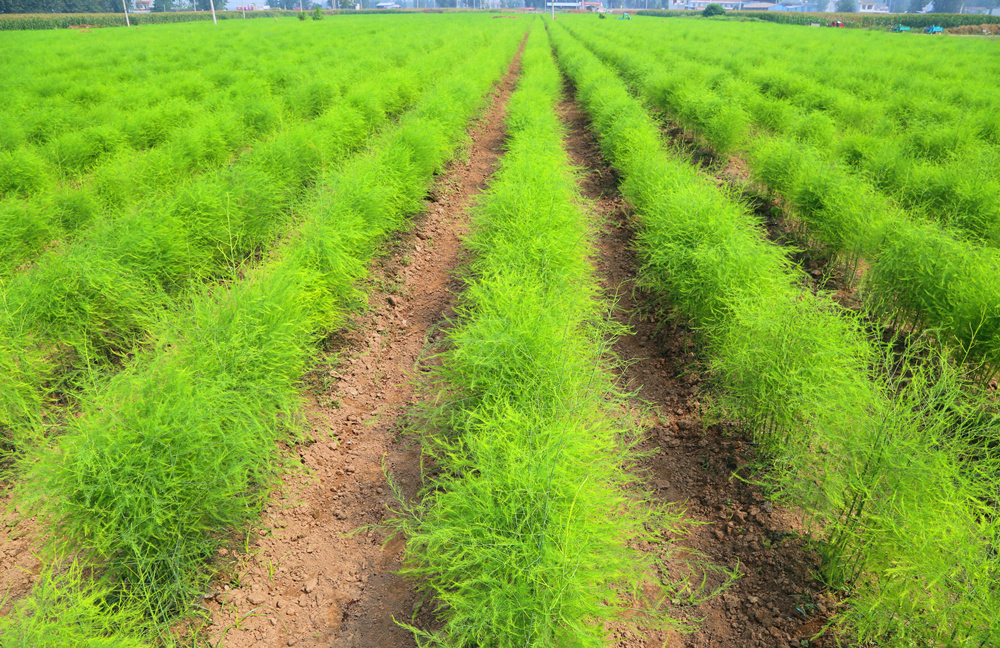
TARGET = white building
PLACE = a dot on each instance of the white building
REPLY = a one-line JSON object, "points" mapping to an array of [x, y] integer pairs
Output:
{"points": [[699, 5]]}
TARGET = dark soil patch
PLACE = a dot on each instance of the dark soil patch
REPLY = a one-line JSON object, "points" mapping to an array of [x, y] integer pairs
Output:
{"points": [[775, 601], [318, 574]]}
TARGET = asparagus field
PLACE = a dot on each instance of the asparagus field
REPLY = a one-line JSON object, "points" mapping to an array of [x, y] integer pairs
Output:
{"points": [[308, 334]]}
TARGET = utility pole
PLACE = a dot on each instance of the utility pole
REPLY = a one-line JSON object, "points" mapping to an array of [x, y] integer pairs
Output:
{"points": [[125, 9], [212, 3]]}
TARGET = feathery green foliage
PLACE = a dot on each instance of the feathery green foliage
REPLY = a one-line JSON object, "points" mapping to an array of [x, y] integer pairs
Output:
{"points": [[66, 608], [525, 536], [783, 120], [180, 447], [112, 133], [86, 306], [901, 473]]}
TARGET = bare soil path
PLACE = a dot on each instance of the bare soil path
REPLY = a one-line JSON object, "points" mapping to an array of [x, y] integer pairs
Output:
{"points": [[775, 602], [308, 580], [19, 562]]}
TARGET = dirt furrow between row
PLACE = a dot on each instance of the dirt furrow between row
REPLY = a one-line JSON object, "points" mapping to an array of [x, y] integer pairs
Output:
{"points": [[318, 574], [775, 602], [19, 561]]}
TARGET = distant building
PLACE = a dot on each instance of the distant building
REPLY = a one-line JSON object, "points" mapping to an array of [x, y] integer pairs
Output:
{"points": [[143, 6], [566, 4], [699, 5], [736, 5], [873, 7], [795, 6]]}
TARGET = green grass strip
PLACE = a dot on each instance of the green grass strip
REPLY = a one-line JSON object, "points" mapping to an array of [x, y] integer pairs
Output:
{"points": [[180, 448], [526, 536], [932, 148], [900, 472]]}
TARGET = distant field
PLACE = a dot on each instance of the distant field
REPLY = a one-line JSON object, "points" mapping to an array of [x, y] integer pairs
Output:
{"points": [[83, 20], [862, 20], [190, 218]]}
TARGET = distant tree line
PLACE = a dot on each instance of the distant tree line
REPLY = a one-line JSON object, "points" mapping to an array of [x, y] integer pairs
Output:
{"points": [[115, 6], [185, 5], [915, 6], [62, 6]]}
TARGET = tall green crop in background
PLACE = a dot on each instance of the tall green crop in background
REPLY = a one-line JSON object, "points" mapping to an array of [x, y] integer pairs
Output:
{"points": [[85, 304], [10, 21]]}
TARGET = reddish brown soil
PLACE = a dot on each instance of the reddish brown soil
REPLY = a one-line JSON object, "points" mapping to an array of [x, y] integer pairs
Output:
{"points": [[986, 29], [775, 601], [317, 576], [19, 565]]}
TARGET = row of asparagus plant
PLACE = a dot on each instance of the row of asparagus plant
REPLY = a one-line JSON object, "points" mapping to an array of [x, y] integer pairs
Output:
{"points": [[895, 463], [935, 154], [180, 448], [93, 128], [525, 533], [876, 95], [82, 309], [918, 273]]}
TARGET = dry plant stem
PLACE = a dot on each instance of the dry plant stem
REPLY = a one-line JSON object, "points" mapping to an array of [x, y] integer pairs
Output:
{"points": [[311, 578]]}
